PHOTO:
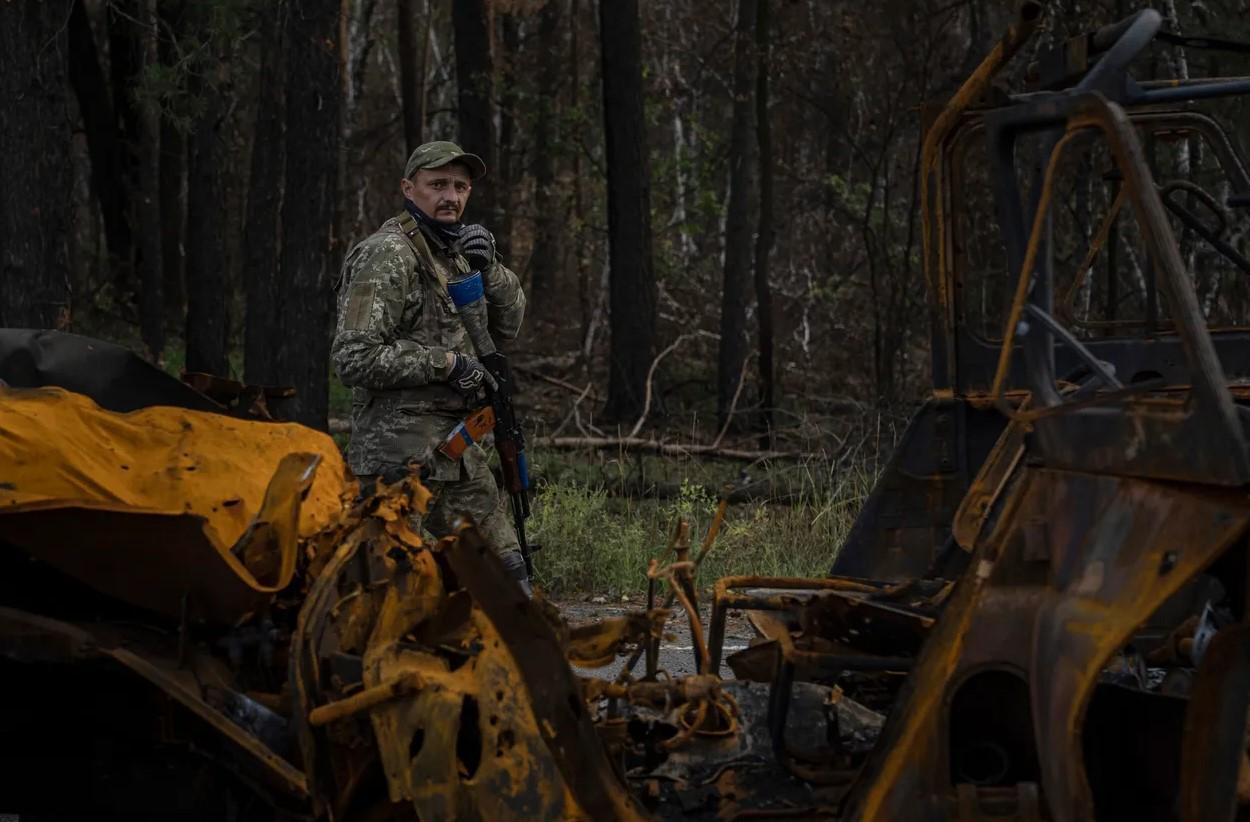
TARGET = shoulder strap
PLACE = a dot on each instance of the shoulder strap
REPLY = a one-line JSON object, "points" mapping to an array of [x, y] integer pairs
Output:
{"points": [[412, 230]]}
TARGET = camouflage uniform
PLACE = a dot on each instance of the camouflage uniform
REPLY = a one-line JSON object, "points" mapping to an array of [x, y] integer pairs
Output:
{"points": [[396, 324]]}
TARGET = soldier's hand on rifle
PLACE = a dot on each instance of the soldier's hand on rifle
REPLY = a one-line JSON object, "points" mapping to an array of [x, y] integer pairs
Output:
{"points": [[477, 245], [467, 375]]}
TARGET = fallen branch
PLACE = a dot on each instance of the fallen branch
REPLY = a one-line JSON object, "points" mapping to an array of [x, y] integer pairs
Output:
{"points": [[572, 413], [556, 381], [762, 491], [733, 406], [646, 404], [669, 449]]}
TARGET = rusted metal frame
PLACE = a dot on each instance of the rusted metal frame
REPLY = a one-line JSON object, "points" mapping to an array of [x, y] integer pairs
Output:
{"points": [[305, 676], [1095, 365], [1201, 194], [652, 643], [1125, 40], [1026, 278], [781, 690], [401, 686], [1214, 401], [277, 768], [1199, 91], [1215, 728], [1157, 538], [554, 695], [1217, 140], [1090, 111], [1048, 114], [652, 647], [1194, 223], [1091, 256], [1090, 400], [725, 599], [934, 196], [1128, 547], [988, 486], [22, 630]]}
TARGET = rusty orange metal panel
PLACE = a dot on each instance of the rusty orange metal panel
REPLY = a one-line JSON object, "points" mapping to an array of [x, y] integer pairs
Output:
{"points": [[188, 513]]}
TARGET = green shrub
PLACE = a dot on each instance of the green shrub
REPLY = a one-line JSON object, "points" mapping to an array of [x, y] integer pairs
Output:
{"points": [[597, 542]]}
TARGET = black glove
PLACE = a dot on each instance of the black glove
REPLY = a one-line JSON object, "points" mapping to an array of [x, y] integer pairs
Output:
{"points": [[467, 375], [477, 245]]}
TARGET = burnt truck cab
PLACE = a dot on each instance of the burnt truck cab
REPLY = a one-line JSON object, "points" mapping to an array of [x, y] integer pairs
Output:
{"points": [[1085, 248]]}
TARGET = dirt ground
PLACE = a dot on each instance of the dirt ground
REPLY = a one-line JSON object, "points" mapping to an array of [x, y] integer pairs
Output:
{"points": [[677, 655]]}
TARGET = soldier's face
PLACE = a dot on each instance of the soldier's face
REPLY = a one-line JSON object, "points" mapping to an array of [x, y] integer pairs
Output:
{"points": [[440, 192]]}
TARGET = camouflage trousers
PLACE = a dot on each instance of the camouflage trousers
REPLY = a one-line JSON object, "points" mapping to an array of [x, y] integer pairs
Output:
{"points": [[474, 494], [387, 433]]}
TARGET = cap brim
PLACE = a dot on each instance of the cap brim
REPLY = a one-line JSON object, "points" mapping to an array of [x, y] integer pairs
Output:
{"points": [[477, 168]]}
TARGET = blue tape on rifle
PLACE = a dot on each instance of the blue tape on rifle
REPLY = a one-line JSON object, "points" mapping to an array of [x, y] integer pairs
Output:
{"points": [[467, 291], [523, 468]]}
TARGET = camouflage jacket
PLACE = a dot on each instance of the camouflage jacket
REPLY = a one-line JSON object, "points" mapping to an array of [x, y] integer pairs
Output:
{"points": [[396, 324]]}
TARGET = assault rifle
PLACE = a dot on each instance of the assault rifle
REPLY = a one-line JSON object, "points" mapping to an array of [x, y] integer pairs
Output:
{"points": [[500, 417]]}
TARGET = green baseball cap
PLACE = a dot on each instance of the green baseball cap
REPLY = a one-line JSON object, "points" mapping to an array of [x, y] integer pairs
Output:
{"points": [[441, 152]]}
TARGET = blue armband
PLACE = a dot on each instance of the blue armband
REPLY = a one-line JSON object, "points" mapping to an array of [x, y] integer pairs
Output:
{"points": [[467, 291], [523, 468]]}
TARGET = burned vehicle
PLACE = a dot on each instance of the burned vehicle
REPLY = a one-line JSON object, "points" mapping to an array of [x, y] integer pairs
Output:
{"points": [[1040, 614]]}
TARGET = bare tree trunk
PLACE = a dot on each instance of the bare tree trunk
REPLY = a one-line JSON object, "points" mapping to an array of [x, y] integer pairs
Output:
{"points": [[104, 144], [35, 211], [581, 265], [208, 325], [356, 29], [173, 222], [312, 131], [506, 176], [125, 40], [471, 20], [632, 287], [414, 46], [766, 234], [148, 207], [262, 233], [738, 220], [172, 182], [545, 258]]}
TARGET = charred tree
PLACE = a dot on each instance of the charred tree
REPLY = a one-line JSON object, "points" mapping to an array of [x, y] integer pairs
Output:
{"points": [[414, 42], [262, 232], [173, 221], [545, 258], [766, 233], [207, 324], [172, 183], [35, 211], [471, 22], [632, 292], [509, 95], [303, 325], [107, 155], [739, 218], [148, 204]]}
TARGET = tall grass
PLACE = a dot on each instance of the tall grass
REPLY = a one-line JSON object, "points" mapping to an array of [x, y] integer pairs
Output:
{"points": [[597, 541]]}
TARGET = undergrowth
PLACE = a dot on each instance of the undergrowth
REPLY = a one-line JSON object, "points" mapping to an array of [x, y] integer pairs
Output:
{"points": [[596, 540]]}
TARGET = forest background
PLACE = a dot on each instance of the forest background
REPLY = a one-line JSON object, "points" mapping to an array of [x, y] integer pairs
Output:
{"points": [[712, 204]]}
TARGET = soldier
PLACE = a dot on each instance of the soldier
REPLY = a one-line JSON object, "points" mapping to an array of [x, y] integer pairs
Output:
{"points": [[403, 350]]}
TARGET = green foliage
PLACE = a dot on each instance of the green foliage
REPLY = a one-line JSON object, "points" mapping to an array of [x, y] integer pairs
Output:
{"points": [[204, 44], [595, 541], [340, 398]]}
